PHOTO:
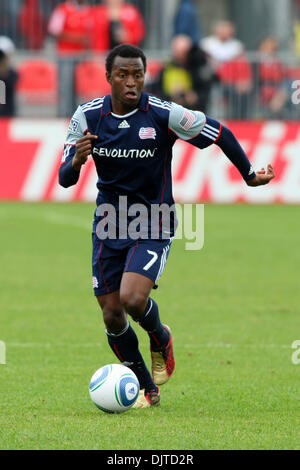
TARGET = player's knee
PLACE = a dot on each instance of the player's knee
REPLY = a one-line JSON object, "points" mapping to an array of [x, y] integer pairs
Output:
{"points": [[134, 304], [114, 319]]}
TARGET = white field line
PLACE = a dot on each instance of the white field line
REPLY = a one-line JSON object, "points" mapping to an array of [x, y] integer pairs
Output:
{"points": [[62, 219], [51, 345], [51, 217], [186, 346]]}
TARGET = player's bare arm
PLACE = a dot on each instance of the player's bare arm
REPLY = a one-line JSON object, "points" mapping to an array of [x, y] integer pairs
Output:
{"points": [[83, 150]]}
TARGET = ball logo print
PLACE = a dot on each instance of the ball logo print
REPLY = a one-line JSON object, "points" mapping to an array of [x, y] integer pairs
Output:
{"points": [[114, 388], [129, 390]]}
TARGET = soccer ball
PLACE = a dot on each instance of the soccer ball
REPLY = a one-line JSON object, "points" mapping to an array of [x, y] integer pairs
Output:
{"points": [[114, 388]]}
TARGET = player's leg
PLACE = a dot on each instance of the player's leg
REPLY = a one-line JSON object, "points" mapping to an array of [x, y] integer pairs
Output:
{"points": [[145, 265], [134, 294], [114, 315], [124, 342], [108, 265]]}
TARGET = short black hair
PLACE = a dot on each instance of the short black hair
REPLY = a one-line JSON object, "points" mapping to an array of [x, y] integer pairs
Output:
{"points": [[124, 50]]}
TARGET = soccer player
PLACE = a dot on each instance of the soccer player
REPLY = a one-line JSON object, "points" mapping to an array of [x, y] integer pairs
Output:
{"points": [[130, 136]]}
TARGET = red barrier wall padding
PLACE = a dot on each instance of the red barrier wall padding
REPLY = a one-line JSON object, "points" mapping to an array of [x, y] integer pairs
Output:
{"points": [[30, 153]]}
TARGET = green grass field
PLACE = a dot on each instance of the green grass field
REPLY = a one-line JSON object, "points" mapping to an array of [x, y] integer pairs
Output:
{"points": [[233, 308]]}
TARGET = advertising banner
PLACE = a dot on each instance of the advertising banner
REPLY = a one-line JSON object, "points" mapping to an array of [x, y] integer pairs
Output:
{"points": [[30, 154]]}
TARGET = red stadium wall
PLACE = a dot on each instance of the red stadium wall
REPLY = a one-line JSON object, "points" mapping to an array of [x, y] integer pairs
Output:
{"points": [[30, 152]]}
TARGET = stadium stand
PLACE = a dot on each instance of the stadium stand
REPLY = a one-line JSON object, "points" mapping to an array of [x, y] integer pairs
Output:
{"points": [[154, 67], [90, 80], [37, 85], [32, 24]]}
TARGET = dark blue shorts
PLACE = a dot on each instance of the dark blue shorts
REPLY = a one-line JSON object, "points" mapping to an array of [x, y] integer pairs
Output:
{"points": [[146, 257]]}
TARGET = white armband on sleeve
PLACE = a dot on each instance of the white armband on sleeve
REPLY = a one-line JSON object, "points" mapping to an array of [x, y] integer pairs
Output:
{"points": [[77, 127], [186, 124]]}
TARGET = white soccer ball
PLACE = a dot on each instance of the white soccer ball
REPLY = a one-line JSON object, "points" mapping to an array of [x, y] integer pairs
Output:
{"points": [[114, 388]]}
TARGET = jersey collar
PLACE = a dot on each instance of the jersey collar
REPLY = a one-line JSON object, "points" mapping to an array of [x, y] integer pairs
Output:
{"points": [[144, 102], [142, 106]]}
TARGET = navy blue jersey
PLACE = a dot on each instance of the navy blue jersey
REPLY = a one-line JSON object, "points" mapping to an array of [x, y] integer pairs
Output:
{"points": [[133, 152]]}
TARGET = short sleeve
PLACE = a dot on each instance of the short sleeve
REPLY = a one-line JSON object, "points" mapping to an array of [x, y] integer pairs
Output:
{"points": [[194, 126], [77, 128], [186, 124]]}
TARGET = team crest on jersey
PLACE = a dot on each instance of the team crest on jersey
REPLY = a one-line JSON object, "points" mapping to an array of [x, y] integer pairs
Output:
{"points": [[147, 133], [74, 124]]}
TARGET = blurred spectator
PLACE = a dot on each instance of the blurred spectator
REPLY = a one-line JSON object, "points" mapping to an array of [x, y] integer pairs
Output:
{"points": [[222, 46], [7, 46], [273, 94], [9, 76], [71, 24], [186, 21], [32, 24], [187, 78], [232, 67], [116, 22], [297, 27]]}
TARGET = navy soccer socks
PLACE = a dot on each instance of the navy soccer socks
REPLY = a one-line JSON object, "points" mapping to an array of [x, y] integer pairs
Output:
{"points": [[158, 335], [125, 347]]}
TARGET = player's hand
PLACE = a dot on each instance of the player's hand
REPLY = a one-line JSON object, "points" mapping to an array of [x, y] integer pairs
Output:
{"points": [[263, 176], [83, 150]]}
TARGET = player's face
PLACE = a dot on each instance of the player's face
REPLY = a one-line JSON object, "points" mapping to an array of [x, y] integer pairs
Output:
{"points": [[127, 82]]}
